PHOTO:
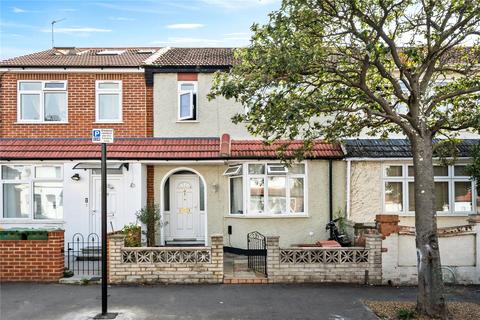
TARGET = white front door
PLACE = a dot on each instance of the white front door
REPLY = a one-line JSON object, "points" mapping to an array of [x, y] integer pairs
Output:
{"points": [[114, 205], [184, 198]]}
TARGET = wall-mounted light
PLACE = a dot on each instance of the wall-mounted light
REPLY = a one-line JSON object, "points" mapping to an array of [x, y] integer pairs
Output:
{"points": [[75, 177], [215, 187]]}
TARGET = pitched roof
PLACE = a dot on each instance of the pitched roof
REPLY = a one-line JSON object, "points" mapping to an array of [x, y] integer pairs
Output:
{"points": [[257, 149], [196, 57], [394, 148], [83, 57], [147, 148]]}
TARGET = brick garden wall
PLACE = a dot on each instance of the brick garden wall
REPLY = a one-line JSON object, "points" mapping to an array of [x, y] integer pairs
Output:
{"points": [[32, 260], [137, 116], [347, 265], [165, 264]]}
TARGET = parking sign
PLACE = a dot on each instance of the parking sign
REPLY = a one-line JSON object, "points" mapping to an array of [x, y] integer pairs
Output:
{"points": [[102, 135]]}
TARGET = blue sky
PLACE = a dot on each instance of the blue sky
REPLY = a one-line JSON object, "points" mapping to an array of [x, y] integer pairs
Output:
{"points": [[25, 25]]}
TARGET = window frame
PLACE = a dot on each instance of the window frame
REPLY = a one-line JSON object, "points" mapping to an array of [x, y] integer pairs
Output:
{"points": [[31, 186], [98, 92], [246, 176], [193, 106], [41, 92], [405, 179]]}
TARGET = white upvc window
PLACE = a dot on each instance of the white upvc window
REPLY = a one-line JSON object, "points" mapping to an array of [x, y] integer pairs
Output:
{"points": [[187, 100], [267, 189], [454, 190], [108, 101], [32, 192], [42, 101]]}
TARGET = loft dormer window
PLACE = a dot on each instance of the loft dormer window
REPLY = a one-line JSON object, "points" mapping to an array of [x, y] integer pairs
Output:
{"points": [[41, 101], [187, 100]]}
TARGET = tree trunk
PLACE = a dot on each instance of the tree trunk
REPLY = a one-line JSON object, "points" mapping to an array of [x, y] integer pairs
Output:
{"points": [[430, 299]]}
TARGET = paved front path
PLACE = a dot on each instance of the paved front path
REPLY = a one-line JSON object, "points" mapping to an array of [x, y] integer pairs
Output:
{"points": [[70, 302]]}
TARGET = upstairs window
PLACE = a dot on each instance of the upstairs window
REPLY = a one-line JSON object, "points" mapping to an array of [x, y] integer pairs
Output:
{"points": [[42, 101], [187, 100], [108, 97]]}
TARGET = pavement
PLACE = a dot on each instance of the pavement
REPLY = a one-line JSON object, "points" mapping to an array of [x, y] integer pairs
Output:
{"points": [[24, 301]]}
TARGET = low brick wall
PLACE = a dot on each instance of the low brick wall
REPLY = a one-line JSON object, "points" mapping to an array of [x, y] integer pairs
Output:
{"points": [[32, 260], [348, 265], [165, 264]]}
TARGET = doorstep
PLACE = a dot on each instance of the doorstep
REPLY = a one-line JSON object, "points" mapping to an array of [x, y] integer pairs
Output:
{"points": [[81, 280]]}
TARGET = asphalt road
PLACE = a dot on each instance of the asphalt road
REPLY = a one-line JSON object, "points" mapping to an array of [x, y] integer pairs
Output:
{"points": [[24, 301]]}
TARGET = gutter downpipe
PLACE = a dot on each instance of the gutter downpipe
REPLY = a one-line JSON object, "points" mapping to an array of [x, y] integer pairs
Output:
{"points": [[330, 192], [349, 172]]}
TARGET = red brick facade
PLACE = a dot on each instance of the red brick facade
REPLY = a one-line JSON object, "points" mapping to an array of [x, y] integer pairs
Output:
{"points": [[32, 260], [150, 187], [137, 104]]}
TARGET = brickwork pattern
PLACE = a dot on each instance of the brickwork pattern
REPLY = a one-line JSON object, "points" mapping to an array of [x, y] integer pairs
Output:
{"points": [[137, 116], [33, 260], [347, 265], [178, 265]]}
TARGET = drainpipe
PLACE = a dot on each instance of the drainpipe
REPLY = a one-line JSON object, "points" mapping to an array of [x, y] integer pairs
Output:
{"points": [[330, 192], [349, 172]]}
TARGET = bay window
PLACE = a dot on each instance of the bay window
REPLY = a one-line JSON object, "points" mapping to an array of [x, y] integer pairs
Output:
{"points": [[266, 189], [453, 189], [31, 192], [42, 101]]}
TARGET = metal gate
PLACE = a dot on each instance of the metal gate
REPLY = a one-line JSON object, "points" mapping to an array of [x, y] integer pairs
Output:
{"points": [[257, 252], [84, 255]]}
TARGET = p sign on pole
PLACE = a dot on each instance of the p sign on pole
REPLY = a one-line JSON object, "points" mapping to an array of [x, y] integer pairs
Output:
{"points": [[104, 136]]}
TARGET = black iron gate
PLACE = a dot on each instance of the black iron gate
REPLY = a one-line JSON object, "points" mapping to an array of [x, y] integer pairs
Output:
{"points": [[84, 255], [257, 252]]}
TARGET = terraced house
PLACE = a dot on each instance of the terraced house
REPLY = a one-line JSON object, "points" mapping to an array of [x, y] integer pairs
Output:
{"points": [[173, 146], [215, 184]]}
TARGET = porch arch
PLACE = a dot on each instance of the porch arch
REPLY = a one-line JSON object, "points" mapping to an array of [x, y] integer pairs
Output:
{"points": [[162, 201]]}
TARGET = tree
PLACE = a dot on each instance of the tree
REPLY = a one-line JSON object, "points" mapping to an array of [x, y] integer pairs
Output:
{"points": [[335, 68]]}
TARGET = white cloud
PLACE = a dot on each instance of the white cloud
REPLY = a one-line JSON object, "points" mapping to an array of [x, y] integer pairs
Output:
{"points": [[121, 19], [238, 34], [77, 30], [185, 26], [18, 10]]}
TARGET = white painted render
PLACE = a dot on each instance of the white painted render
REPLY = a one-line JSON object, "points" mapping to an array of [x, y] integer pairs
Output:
{"points": [[213, 117]]}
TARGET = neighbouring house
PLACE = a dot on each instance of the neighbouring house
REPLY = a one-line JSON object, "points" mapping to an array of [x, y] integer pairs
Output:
{"points": [[380, 191], [53, 99]]}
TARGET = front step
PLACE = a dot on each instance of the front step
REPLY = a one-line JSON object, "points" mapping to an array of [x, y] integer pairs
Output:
{"points": [[240, 280], [184, 243]]}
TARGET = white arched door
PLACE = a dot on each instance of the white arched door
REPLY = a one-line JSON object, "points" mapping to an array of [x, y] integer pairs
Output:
{"points": [[185, 213]]}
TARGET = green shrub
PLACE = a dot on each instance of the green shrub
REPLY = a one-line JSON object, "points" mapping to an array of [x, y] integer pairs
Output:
{"points": [[133, 236], [150, 216], [405, 314]]}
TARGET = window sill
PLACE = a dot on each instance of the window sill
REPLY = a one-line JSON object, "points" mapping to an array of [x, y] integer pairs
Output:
{"points": [[187, 121], [109, 122], [30, 221], [439, 214], [41, 122], [267, 216]]}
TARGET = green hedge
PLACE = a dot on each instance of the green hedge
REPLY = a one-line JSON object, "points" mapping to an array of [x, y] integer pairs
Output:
{"points": [[23, 234]]}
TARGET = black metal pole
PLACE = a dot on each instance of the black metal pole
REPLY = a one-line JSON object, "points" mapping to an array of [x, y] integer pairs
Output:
{"points": [[104, 229]]}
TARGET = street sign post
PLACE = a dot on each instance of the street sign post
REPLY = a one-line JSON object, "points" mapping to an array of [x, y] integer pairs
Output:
{"points": [[104, 136]]}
